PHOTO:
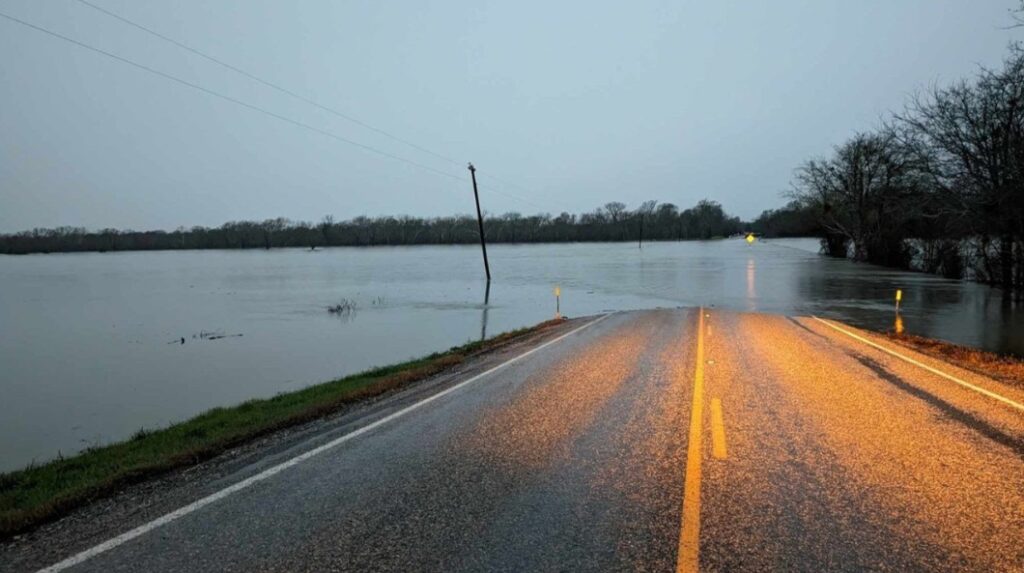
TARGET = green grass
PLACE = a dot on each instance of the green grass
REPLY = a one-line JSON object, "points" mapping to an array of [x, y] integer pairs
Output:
{"points": [[41, 493]]}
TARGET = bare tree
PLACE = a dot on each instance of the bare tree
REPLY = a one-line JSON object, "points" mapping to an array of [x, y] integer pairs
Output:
{"points": [[642, 212], [863, 196], [325, 228], [616, 212], [973, 134]]}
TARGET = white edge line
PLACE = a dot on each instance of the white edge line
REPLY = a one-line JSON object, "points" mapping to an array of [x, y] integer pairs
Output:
{"points": [[937, 372], [272, 471]]}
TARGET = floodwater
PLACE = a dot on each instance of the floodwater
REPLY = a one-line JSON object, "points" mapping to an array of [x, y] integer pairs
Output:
{"points": [[95, 346]]}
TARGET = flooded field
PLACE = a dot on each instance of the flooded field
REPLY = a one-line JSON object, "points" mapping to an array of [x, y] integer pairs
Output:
{"points": [[95, 346]]}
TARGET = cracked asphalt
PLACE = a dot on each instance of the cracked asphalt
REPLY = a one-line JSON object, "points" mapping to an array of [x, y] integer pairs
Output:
{"points": [[837, 457]]}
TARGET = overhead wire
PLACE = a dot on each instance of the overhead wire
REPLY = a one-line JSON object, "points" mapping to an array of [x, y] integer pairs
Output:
{"points": [[304, 99], [267, 83], [230, 98], [259, 109]]}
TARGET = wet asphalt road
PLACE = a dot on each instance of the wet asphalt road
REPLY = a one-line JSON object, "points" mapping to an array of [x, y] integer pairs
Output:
{"points": [[836, 457]]}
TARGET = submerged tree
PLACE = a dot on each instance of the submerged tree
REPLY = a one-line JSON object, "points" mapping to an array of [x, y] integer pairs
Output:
{"points": [[613, 222], [864, 196], [643, 212], [972, 138]]}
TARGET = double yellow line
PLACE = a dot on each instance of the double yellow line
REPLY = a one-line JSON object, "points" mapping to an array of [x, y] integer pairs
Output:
{"points": [[689, 537]]}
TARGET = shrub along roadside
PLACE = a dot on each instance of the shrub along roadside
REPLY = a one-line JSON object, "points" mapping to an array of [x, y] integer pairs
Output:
{"points": [[42, 493]]}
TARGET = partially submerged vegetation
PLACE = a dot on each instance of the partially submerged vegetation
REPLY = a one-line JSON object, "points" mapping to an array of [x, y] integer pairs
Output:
{"points": [[37, 494], [938, 188], [1004, 368], [346, 306], [611, 222]]}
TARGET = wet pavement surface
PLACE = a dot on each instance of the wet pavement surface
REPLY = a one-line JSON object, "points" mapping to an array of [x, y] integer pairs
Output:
{"points": [[836, 457]]}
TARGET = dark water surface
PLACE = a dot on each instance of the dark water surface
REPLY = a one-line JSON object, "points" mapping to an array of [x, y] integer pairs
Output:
{"points": [[90, 344]]}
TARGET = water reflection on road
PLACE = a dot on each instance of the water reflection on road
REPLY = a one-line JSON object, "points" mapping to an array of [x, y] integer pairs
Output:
{"points": [[751, 289], [85, 353]]}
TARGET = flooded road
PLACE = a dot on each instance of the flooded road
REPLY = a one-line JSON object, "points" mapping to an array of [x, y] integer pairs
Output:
{"points": [[95, 346], [661, 440]]}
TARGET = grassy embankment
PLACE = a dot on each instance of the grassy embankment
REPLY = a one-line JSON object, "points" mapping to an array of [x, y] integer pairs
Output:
{"points": [[1003, 368], [37, 494]]}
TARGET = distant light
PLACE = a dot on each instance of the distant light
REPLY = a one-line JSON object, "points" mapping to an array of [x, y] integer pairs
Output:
{"points": [[899, 295], [750, 238], [558, 291]]}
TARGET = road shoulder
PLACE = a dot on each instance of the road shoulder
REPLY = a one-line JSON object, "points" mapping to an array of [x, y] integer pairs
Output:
{"points": [[139, 503]]}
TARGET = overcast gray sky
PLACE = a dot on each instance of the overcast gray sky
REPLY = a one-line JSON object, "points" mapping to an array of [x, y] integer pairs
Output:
{"points": [[573, 103]]}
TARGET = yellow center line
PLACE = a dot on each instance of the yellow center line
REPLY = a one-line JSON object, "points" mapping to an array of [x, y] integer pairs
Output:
{"points": [[968, 385], [717, 430], [689, 536]]}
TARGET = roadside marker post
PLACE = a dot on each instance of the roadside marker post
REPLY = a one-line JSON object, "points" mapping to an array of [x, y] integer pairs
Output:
{"points": [[899, 297], [558, 301]]}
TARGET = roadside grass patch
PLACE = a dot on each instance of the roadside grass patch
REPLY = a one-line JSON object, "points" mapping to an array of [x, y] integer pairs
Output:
{"points": [[40, 493]]}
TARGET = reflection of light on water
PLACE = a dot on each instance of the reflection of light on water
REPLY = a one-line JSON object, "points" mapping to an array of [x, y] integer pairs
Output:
{"points": [[751, 291], [276, 298], [483, 316]]}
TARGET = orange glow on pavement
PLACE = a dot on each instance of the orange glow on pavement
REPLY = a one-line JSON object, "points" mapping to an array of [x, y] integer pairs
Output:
{"points": [[689, 537], [717, 430]]}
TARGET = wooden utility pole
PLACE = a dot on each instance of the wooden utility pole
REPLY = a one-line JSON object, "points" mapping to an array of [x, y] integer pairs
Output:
{"points": [[483, 316], [480, 222]]}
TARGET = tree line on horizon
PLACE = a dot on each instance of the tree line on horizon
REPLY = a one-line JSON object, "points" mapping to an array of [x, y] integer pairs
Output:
{"points": [[939, 187], [650, 221]]}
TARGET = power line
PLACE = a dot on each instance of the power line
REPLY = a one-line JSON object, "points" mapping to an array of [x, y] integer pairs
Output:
{"points": [[510, 184], [252, 107], [231, 99], [304, 99], [268, 83]]}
